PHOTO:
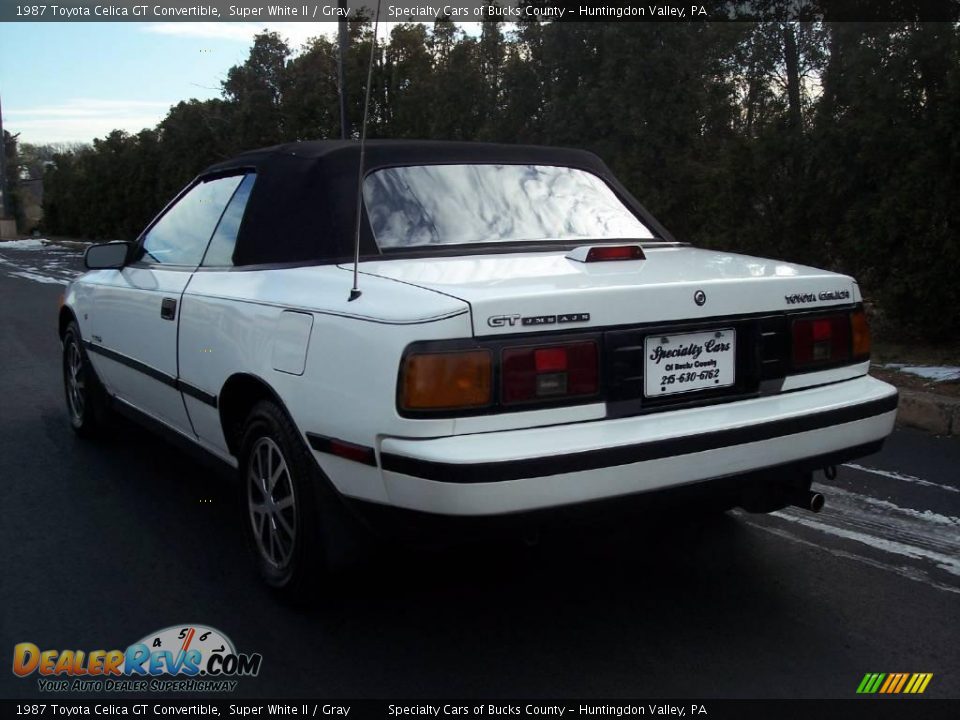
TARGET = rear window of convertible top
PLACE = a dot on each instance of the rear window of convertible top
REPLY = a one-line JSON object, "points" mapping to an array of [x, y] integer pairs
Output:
{"points": [[426, 205]]}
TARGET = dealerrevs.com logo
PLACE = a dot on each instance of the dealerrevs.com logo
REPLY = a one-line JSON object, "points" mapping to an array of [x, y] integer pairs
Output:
{"points": [[181, 658]]}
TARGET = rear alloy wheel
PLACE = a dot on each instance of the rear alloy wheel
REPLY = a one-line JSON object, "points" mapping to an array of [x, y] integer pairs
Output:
{"points": [[292, 517], [272, 504], [87, 402]]}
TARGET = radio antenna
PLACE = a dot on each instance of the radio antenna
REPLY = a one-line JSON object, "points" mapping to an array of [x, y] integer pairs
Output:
{"points": [[355, 290]]}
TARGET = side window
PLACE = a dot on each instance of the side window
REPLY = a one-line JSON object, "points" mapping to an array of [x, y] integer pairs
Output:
{"points": [[220, 252], [182, 234]]}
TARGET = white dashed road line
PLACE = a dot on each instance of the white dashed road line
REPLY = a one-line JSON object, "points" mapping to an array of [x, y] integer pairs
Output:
{"points": [[916, 544], [900, 476]]}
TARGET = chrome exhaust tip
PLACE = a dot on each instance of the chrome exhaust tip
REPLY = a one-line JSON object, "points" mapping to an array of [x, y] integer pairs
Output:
{"points": [[807, 500], [816, 501]]}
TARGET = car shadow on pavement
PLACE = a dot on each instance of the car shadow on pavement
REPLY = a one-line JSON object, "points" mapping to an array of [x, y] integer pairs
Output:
{"points": [[621, 593]]}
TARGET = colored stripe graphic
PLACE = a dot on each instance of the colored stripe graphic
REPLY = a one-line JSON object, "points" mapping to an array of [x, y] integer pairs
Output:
{"points": [[894, 683], [868, 680], [903, 680]]}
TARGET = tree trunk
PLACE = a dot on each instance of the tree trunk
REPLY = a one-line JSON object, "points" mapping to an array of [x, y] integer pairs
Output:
{"points": [[792, 58]]}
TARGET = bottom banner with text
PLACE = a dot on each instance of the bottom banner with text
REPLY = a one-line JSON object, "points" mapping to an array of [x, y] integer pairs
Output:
{"points": [[875, 709]]}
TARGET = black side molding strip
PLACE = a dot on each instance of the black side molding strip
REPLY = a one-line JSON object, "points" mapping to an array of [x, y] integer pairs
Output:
{"points": [[641, 452], [150, 371], [197, 394], [147, 370], [342, 448]]}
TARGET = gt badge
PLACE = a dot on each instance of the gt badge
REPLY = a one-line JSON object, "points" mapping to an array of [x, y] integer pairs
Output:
{"points": [[511, 320]]}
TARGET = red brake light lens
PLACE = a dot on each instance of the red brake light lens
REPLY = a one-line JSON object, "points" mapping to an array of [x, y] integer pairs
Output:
{"points": [[821, 341], [822, 330], [550, 359], [615, 252], [529, 374]]}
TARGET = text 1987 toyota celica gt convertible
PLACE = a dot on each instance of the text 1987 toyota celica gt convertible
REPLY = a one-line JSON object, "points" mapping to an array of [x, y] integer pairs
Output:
{"points": [[526, 338]]}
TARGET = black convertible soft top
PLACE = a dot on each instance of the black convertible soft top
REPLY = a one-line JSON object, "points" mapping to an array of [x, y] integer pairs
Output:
{"points": [[303, 205]]}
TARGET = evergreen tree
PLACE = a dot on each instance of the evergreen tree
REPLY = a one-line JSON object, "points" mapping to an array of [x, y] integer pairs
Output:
{"points": [[833, 145]]}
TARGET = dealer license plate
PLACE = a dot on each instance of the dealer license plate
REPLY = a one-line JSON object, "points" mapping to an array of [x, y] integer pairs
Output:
{"points": [[689, 362]]}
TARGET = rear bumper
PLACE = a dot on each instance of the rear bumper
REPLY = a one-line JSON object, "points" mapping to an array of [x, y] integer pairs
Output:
{"points": [[524, 470]]}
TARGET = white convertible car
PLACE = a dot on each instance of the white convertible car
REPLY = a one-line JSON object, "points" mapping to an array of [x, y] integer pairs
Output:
{"points": [[523, 337]]}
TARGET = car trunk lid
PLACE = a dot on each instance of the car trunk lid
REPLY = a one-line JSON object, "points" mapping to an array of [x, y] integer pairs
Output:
{"points": [[548, 291]]}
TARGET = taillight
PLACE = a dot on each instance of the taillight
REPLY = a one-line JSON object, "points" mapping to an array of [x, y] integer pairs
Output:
{"points": [[860, 330], [821, 340], [446, 380], [549, 372]]}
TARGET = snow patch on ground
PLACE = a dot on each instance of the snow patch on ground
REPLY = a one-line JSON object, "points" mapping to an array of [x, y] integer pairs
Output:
{"points": [[909, 572], [919, 535], [943, 560], [28, 244], [891, 509], [937, 373], [37, 260], [37, 277]]}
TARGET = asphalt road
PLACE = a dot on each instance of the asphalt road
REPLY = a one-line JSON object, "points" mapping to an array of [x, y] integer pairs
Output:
{"points": [[104, 543]]}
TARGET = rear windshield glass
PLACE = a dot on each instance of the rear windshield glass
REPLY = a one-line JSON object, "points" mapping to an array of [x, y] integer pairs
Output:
{"points": [[458, 204]]}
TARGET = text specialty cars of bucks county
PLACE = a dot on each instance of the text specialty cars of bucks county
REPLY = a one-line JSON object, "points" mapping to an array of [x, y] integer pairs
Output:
{"points": [[523, 338]]}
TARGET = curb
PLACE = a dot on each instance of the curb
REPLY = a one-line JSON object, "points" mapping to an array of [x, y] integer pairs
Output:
{"points": [[937, 414]]}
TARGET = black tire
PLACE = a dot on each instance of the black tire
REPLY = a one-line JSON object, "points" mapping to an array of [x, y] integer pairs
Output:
{"points": [[88, 405], [296, 547]]}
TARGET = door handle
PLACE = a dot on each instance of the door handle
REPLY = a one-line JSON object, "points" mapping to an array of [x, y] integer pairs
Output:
{"points": [[168, 309]]}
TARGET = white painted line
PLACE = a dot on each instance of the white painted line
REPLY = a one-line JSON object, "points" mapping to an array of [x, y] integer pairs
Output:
{"points": [[900, 476], [921, 535], [950, 563], [910, 573], [891, 508]]}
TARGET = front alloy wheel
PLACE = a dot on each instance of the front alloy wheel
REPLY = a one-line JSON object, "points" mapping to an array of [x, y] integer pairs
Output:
{"points": [[74, 382], [87, 403]]}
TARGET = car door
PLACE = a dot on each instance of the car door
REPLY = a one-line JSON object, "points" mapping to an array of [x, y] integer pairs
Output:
{"points": [[136, 311], [209, 337]]}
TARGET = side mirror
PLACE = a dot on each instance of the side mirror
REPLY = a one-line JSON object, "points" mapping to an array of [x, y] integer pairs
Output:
{"points": [[107, 256]]}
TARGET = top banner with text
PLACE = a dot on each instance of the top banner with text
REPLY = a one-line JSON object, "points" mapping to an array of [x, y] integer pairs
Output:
{"points": [[474, 11]]}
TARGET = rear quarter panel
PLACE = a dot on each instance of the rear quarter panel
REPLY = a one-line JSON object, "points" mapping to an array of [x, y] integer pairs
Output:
{"points": [[237, 322]]}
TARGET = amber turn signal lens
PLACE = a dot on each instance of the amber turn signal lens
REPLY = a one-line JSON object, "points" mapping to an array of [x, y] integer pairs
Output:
{"points": [[450, 380], [860, 332]]}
